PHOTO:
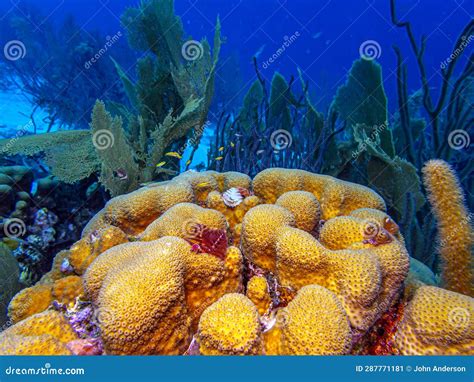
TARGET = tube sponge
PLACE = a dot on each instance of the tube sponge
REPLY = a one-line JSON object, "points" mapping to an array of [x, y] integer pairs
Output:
{"points": [[456, 235]]}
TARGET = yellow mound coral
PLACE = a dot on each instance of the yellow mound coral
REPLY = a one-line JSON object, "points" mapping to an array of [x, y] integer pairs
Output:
{"points": [[184, 220], [49, 322], [304, 207], [67, 289], [114, 257], [152, 293], [336, 197], [230, 326], [55, 272], [234, 215], [456, 235], [258, 293], [208, 278], [313, 323], [39, 297], [85, 251], [133, 212], [44, 333], [32, 345], [259, 229], [351, 231], [30, 301], [437, 321], [142, 305], [227, 180], [366, 280]]}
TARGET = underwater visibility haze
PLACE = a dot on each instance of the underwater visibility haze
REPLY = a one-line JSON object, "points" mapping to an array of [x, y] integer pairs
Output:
{"points": [[237, 177]]}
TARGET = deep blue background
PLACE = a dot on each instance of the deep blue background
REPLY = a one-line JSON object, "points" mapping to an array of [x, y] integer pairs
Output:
{"points": [[331, 33]]}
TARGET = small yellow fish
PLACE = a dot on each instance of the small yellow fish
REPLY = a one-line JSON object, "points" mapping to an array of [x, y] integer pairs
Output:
{"points": [[232, 144], [161, 164], [188, 162], [173, 154], [203, 184], [221, 148], [219, 158]]}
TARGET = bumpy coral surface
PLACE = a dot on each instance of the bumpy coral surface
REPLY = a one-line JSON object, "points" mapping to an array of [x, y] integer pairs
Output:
{"points": [[336, 197], [29, 301], [258, 293], [313, 323], [437, 321], [45, 333], [230, 326], [164, 269], [456, 235], [141, 303]]}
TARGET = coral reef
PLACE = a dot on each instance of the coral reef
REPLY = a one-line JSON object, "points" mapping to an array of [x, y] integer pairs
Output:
{"points": [[313, 323], [230, 326], [258, 291], [46, 333], [437, 321], [318, 268], [456, 235]]}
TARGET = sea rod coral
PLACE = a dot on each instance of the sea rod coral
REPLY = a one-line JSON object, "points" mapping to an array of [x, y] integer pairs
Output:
{"points": [[188, 267]]}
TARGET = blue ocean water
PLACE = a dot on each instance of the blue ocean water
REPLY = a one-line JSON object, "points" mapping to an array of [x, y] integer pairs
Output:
{"points": [[331, 33]]}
